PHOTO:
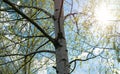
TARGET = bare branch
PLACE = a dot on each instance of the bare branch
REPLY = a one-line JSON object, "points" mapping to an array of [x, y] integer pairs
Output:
{"points": [[5, 47], [82, 59], [98, 46], [29, 36], [47, 13], [22, 19], [73, 67], [40, 51], [31, 57], [9, 9], [29, 19], [72, 14], [6, 10], [6, 55], [11, 61]]}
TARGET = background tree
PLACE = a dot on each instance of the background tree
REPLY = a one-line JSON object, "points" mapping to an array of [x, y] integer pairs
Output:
{"points": [[55, 36]]}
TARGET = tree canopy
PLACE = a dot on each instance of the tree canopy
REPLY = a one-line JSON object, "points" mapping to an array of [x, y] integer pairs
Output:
{"points": [[59, 37]]}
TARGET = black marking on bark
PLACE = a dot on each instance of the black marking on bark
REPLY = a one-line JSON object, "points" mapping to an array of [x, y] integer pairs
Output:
{"points": [[55, 67], [60, 35], [66, 50], [56, 43], [63, 59], [56, 9], [57, 71]]}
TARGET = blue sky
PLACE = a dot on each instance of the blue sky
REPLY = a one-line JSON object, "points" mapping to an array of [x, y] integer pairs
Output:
{"points": [[93, 66]]}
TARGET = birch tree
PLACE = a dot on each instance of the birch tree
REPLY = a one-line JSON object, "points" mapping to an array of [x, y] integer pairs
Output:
{"points": [[59, 42], [38, 34]]}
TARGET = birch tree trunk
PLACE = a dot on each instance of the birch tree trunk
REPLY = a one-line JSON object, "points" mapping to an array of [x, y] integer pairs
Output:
{"points": [[62, 64]]}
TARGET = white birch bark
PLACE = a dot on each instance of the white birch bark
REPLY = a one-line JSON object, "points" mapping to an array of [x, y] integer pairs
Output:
{"points": [[62, 64]]}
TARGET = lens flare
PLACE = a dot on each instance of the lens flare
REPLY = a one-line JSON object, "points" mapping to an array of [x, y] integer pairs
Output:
{"points": [[103, 14]]}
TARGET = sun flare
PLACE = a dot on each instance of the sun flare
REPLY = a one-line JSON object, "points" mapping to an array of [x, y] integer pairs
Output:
{"points": [[102, 14], [103, 17]]}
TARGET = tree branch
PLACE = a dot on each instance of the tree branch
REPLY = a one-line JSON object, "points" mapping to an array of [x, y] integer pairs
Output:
{"points": [[29, 19], [72, 14], [6, 55], [29, 36], [98, 46], [20, 6], [82, 59], [11, 61], [40, 51], [47, 13], [73, 67], [22, 19]]}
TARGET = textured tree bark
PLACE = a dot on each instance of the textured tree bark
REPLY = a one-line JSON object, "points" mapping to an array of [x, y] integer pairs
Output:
{"points": [[62, 64]]}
